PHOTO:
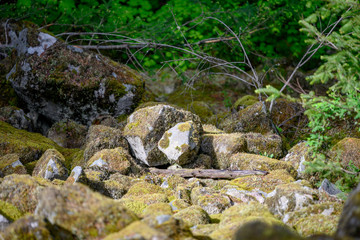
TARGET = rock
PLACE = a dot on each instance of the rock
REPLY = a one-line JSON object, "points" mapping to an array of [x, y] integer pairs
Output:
{"points": [[29, 227], [297, 156], [211, 129], [156, 214], [193, 215], [239, 195], [246, 161], [51, 166], [315, 219], [347, 151], [105, 120], [349, 223], [179, 204], [68, 134], [202, 109], [138, 230], [210, 200], [22, 191], [111, 160], [202, 161], [180, 143], [76, 175], [102, 137], [9, 212], [221, 146], [77, 85], [173, 181], [329, 187], [4, 222], [202, 231], [16, 118], [10, 163], [260, 230], [269, 145], [84, 213], [265, 183], [244, 102], [114, 189], [146, 193], [146, 126], [290, 197], [134, 206]]}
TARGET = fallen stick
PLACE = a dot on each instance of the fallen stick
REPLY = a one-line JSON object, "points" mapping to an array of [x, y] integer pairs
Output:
{"points": [[207, 173]]}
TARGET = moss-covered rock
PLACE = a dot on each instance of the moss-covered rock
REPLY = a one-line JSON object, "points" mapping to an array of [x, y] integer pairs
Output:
{"points": [[84, 213], [9, 211], [68, 134], [51, 166], [317, 224], [246, 161], [290, 197], [146, 126], [138, 230], [15, 117], [180, 143], [111, 160], [22, 191], [202, 109], [193, 215], [265, 183], [202, 231], [179, 204], [244, 102], [58, 81], [10, 163], [134, 206], [102, 137], [239, 195], [221, 146], [211, 129], [270, 145], [210, 200], [346, 151], [297, 156], [29, 227], [202, 161]]}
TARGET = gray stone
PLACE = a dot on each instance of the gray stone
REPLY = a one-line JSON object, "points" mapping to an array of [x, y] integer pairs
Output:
{"points": [[329, 187]]}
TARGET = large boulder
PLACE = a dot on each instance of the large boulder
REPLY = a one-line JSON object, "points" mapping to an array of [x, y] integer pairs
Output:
{"points": [[16, 117], [82, 212], [347, 151], [51, 166], [58, 81], [146, 126]]}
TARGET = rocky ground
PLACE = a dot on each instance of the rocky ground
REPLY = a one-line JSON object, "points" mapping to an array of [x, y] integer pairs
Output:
{"points": [[103, 167]]}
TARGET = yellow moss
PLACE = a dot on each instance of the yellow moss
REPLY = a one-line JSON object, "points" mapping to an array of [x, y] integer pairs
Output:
{"points": [[165, 142], [136, 207], [245, 101], [183, 127], [9, 211]]}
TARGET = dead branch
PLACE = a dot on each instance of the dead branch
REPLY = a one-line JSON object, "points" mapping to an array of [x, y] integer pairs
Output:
{"points": [[207, 173]]}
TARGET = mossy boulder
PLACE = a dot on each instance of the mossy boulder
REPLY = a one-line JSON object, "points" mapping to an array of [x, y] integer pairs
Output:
{"points": [[239, 195], [76, 175], [180, 143], [29, 227], [349, 223], [179, 204], [82, 212], [146, 126], [68, 134], [244, 102], [202, 161], [193, 215], [247, 161], [290, 197], [210, 200], [115, 160], [51, 166], [16, 117], [138, 230], [102, 137], [9, 211], [269, 145], [10, 163], [297, 156], [221, 146], [265, 183], [346, 151], [22, 191], [202, 231], [58, 81]]}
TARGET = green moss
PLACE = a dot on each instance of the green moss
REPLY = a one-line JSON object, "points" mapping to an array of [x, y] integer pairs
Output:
{"points": [[165, 142], [10, 211], [30, 166], [7, 93], [136, 207], [245, 101], [115, 87]]}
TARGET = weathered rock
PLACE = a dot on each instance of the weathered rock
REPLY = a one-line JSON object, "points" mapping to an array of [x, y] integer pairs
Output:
{"points": [[270, 145], [297, 156], [202, 161], [22, 191], [246, 161], [238, 195], [4, 222], [76, 84], [211, 129], [9, 211], [156, 214], [210, 200], [10, 163], [29, 227], [193, 215], [51, 166], [146, 193], [265, 183], [84, 213], [138, 230], [329, 187], [77, 175], [202, 231], [180, 143], [102, 137], [222, 146], [349, 223], [105, 120], [111, 160], [290, 197], [315, 219], [16, 118], [261, 230], [68, 134], [347, 151], [146, 126]]}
